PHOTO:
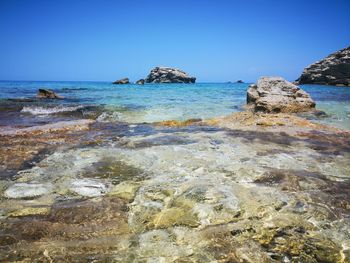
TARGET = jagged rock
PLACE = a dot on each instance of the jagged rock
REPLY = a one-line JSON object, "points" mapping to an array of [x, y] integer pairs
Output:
{"points": [[333, 70], [140, 82], [122, 81], [274, 94], [47, 94], [168, 75]]}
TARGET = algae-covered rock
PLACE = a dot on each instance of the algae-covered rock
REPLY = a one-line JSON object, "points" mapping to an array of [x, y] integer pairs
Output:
{"points": [[29, 211], [125, 190], [175, 216]]}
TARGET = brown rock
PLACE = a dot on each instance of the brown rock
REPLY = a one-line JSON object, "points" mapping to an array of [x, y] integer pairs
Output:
{"points": [[47, 94]]}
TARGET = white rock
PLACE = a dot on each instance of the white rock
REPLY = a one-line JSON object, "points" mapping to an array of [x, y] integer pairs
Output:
{"points": [[88, 187], [26, 190]]}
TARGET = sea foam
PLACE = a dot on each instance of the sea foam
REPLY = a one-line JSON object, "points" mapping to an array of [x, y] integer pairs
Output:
{"points": [[35, 110]]}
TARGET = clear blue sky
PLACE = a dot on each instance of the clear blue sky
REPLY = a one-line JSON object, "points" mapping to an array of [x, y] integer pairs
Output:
{"points": [[217, 40]]}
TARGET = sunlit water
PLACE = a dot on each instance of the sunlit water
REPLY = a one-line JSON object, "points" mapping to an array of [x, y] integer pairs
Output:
{"points": [[158, 102], [130, 191]]}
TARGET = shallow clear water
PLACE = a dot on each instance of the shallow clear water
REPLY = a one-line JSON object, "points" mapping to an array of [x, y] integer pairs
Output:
{"points": [[140, 192], [157, 102]]}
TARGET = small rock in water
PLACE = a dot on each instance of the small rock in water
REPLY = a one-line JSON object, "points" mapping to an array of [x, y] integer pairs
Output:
{"points": [[140, 82], [88, 187], [48, 94], [122, 81], [25, 190]]}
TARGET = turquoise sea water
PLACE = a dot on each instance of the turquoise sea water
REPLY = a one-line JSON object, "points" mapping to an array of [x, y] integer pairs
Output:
{"points": [[122, 189], [151, 102]]}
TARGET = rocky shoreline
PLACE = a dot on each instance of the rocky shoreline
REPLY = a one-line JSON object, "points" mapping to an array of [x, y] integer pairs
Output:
{"points": [[254, 186]]}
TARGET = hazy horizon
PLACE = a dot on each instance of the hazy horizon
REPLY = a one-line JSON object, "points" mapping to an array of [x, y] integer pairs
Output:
{"points": [[215, 42]]}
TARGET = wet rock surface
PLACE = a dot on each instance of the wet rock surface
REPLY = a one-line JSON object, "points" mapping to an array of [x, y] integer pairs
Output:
{"points": [[242, 188], [332, 70], [47, 94], [274, 95], [169, 75]]}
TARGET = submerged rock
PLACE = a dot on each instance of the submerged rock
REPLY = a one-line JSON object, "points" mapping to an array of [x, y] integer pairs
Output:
{"points": [[122, 81], [88, 187], [332, 70], [169, 75], [30, 211], [125, 190], [274, 95], [48, 94], [25, 190], [140, 82]]}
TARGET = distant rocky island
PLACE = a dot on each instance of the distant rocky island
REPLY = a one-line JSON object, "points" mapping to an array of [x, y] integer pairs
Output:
{"points": [[169, 75], [162, 75], [332, 70]]}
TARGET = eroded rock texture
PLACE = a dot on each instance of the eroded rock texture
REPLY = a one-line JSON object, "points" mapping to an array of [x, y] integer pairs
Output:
{"points": [[332, 70], [274, 94]]}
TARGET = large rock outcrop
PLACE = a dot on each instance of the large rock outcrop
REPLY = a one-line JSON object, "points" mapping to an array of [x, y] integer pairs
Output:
{"points": [[274, 94], [333, 70], [169, 75]]}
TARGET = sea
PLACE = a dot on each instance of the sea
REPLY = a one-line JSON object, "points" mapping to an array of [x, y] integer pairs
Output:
{"points": [[128, 189], [148, 103]]}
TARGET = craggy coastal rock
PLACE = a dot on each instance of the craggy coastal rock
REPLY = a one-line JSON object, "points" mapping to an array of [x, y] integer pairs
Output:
{"points": [[274, 94], [169, 75], [122, 81], [140, 82], [47, 94], [332, 70]]}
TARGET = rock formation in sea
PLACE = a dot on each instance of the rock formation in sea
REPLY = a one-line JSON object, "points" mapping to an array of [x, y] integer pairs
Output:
{"points": [[274, 94], [122, 81], [140, 82], [239, 81], [169, 75], [332, 70], [47, 94]]}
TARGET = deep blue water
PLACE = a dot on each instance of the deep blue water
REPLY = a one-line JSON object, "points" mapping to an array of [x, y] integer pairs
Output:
{"points": [[156, 102]]}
